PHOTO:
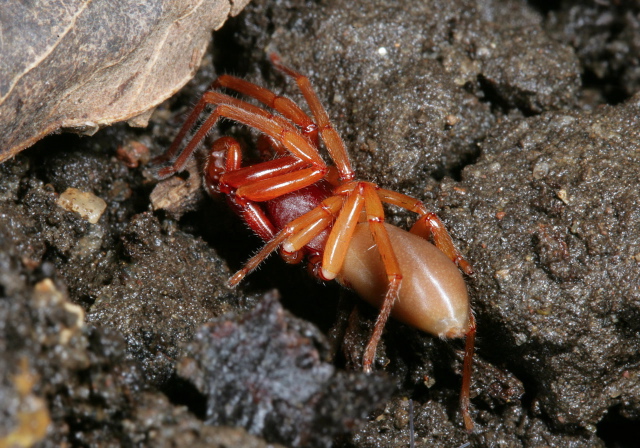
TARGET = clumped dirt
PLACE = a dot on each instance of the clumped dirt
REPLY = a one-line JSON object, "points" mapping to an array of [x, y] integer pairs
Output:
{"points": [[566, 295], [606, 39], [519, 126], [267, 368]]}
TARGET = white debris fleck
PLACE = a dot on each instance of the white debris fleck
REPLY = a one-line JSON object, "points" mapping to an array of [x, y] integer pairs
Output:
{"points": [[86, 204], [562, 195]]}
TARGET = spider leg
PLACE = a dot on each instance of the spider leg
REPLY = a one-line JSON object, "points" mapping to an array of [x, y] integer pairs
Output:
{"points": [[470, 339], [225, 161], [375, 217], [303, 237], [268, 147], [291, 139], [428, 226], [261, 171], [337, 244], [226, 156], [211, 97], [328, 208], [333, 142], [281, 104], [260, 182], [267, 189]]}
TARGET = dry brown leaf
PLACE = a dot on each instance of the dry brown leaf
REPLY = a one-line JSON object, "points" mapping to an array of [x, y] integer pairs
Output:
{"points": [[83, 64]]}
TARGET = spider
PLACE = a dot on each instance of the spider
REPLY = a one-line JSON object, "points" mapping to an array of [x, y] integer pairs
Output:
{"points": [[305, 207]]}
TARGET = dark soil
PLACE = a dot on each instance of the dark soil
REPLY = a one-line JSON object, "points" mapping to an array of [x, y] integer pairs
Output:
{"points": [[518, 123]]}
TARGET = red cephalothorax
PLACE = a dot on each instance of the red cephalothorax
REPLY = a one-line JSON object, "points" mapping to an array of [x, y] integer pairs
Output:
{"points": [[306, 208]]}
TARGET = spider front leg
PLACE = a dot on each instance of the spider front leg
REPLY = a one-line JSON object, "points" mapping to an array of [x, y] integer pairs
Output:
{"points": [[208, 98], [277, 128], [225, 157], [333, 142], [225, 174], [281, 104]]}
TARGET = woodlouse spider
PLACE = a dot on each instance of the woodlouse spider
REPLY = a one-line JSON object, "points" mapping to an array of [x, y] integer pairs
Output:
{"points": [[303, 206]]}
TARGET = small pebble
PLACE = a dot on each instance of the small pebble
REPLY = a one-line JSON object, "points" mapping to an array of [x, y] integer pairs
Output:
{"points": [[86, 204]]}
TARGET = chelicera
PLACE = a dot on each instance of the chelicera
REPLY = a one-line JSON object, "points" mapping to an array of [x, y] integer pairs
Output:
{"points": [[307, 208]]}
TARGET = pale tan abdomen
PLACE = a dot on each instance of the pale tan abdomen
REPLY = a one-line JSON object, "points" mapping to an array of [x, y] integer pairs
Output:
{"points": [[433, 296]]}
